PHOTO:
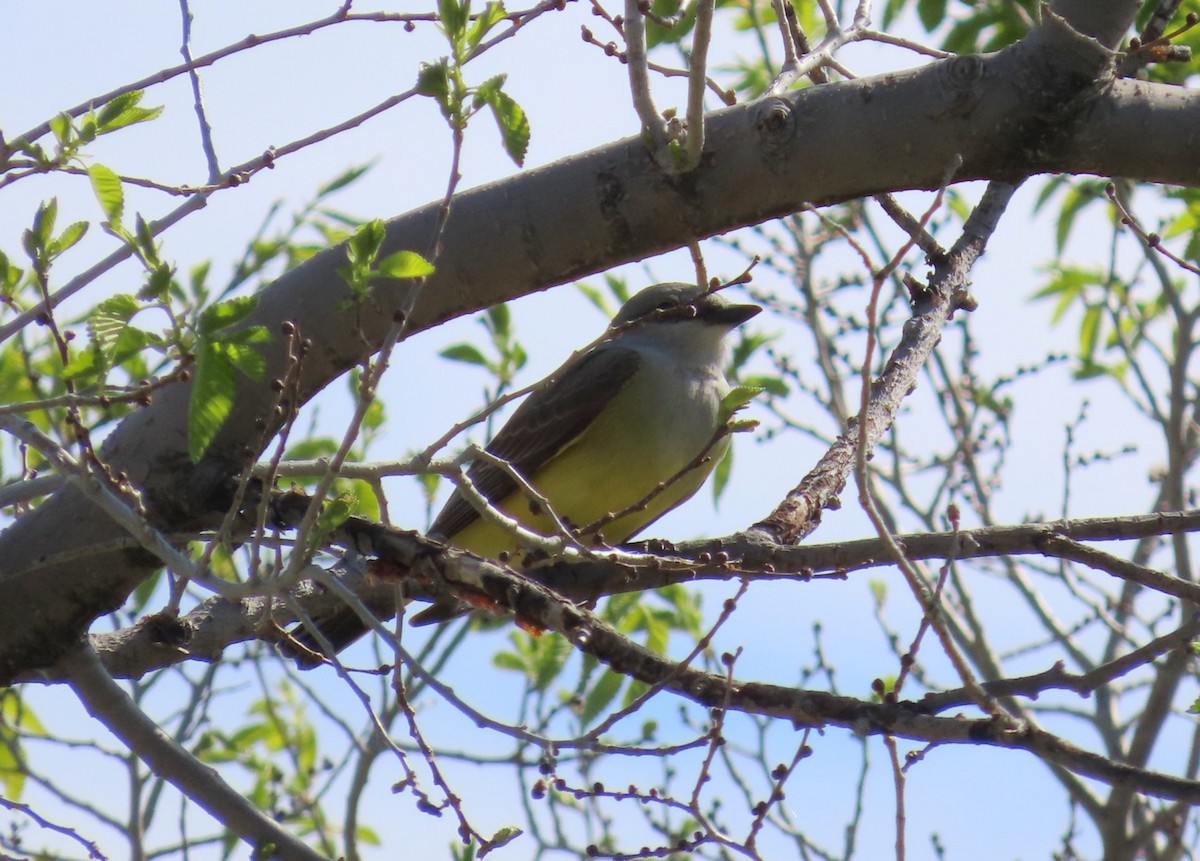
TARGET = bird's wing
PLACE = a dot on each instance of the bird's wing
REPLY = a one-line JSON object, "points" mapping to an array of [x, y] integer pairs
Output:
{"points": [[541, 427]]}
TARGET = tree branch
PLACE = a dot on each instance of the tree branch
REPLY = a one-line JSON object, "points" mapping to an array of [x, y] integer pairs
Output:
{"points": [[204, 633], [107, 703]]}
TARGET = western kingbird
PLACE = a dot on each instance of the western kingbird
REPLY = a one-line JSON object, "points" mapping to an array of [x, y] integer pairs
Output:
{"points": [[634, 412]]}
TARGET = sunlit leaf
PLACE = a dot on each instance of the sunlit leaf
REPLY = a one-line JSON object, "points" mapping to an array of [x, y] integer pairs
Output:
{"points": [[493, 13], [513, 124], [123, 111], [454, 17], [405, 264], [225, 314], [211, 402], [106, 185]]}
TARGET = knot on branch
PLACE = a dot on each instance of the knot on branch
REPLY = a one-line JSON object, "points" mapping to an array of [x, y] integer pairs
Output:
{"points": [[775, 123], [964, 71]]}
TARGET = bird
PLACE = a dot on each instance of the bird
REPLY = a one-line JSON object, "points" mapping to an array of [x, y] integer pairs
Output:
{"points": [[640, 409]]}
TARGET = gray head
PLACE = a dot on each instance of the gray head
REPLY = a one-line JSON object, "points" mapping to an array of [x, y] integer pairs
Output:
{"points": [[677, 301]]}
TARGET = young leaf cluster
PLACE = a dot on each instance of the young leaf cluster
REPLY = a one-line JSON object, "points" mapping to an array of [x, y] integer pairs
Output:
{"points": [[23, 157], [445, 82], [365, 267]]}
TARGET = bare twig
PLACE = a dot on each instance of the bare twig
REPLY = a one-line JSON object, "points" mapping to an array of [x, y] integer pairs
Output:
{"points": [[697, 79], [206, 138], [639, 82]]}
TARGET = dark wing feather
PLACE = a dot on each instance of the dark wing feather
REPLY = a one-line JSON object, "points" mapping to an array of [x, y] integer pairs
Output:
{"points": [[548, 419]]}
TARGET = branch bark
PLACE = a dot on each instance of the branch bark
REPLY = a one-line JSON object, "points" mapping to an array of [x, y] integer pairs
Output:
{"points": [[204, 633]]}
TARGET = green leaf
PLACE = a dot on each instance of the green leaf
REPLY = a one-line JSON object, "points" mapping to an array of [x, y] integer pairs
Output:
{"points": [[686, 606], [889, 686], [931, 13], [159, 281], [1077, 198], [739, 398], [366, 503], [124, 111], [375, 415], [144, 592], [620, 611], [549, 656], [68, 237], [721, 475], [1089, 331], [635, 690], [10, 275], [498, 320], [347, 177], [513, 125], [493, 13], [335, 512], [311, 449], [508, 661], [114, 340], [658, 630], [364, 245], [429, 482], [890, 9], [60, 125], [246, 359], [598, 299], [433, 80], [454, 18], [748, 344], [964, 36], [198, 276], [540, 659], [106, 185], [774, 386], [467, 353], [211, 399], [518, 357], [619, 287], [17, 721], [145, 238], [37, 238], [505, 835], [1069, 284], [225, 314], [601, 695], [682, 25], [84, 365], [486, 91], [405, 264], [343, 218]]}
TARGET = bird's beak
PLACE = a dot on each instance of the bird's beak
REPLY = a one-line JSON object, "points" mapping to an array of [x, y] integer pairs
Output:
{"points": [[730, 315]]}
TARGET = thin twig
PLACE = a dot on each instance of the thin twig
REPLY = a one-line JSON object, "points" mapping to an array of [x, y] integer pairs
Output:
{"points": [[206, 137], [697, 64], [639, 81]]}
